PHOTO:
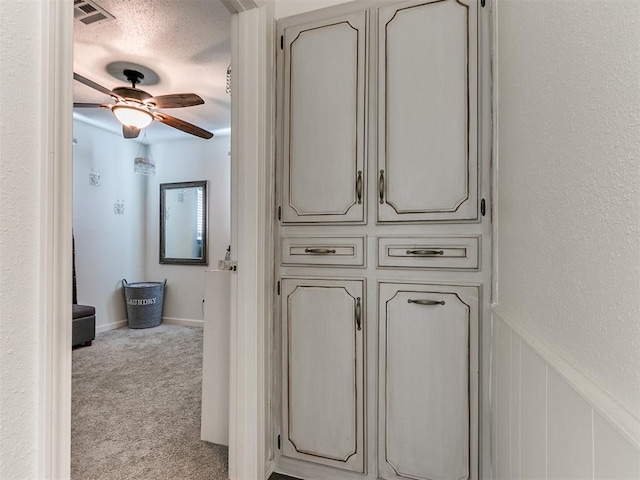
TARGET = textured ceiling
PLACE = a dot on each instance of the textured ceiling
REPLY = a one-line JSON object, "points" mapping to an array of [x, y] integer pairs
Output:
{"points": [[186, 42]]}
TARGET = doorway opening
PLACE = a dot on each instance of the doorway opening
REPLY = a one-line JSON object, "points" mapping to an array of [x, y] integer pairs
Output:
{"points": [[136, 392], [249, 455]]}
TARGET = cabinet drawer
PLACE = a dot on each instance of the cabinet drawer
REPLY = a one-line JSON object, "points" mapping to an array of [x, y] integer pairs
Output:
{"points": [[455, 253], [325, 251]]}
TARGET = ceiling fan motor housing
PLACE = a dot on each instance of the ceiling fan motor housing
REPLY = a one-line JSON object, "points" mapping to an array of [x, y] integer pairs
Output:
{"points": [[133, 76], [132, 93]]}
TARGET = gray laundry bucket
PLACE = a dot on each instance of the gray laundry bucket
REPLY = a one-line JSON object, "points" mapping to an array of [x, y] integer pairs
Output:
{"points": [[144, 303]]}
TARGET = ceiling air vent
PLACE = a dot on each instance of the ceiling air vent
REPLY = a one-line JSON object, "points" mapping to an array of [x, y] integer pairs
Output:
{"points": [[89, 12]]}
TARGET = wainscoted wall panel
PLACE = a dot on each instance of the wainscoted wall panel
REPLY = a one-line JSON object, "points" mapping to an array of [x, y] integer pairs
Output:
{"points": [[533, 401], [614, 457], [569, 453], [503, 403], [515, 420], [543, 427]]}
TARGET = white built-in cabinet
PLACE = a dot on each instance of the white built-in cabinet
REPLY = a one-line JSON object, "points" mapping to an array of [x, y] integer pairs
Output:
{"points": [[427, 112], [324, 79], [323, 366], [380, 246], [425, 364]]}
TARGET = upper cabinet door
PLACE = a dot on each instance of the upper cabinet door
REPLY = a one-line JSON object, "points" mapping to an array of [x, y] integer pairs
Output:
{"points": [[428, 115], [324, 88]]}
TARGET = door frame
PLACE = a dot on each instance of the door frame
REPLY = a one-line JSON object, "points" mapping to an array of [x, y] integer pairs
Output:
{"points": [[250, 185]]}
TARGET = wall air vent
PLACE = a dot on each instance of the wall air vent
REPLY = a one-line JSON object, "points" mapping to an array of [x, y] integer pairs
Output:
{"points": [[90, 13]]}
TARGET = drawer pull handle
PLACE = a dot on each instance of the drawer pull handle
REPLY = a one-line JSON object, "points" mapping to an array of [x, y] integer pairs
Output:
{"points": [[358, 314], [319, 251], [381, 186], [359, 186], [426, 302], [425, 253]]}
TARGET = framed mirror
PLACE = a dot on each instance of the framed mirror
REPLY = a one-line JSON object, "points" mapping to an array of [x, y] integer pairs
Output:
{"points": [[183, 223]]}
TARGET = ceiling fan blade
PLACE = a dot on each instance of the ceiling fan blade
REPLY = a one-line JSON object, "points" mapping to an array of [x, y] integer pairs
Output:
{"points": [[130, 132], [176, 100], [94, 85], [182, 125], [87, 105]]}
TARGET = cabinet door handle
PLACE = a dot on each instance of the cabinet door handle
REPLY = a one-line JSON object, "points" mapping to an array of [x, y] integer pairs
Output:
{"points": [[358, 314], [381, 186], [319, 251], [425, 253], [359, 186], [426, 302]]}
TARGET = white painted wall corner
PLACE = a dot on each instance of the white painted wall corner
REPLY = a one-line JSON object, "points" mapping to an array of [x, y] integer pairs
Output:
{"points": [[549, 419]]}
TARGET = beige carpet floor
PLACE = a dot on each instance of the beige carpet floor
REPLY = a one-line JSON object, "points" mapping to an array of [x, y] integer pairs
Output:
{"points": [[136, 408]]}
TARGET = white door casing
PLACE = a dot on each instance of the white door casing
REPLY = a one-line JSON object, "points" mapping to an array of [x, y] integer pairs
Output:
{"points": [[54, 404], [250, 238]]}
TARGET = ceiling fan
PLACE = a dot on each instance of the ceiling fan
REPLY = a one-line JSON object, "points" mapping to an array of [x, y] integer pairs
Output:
{"points": [[135, 109]]}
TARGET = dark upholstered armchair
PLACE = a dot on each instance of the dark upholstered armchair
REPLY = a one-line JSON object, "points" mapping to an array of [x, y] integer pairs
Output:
{"points": [[84, 316], [84, 325]]}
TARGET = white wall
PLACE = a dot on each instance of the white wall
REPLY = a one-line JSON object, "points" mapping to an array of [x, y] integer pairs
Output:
{"points": [[183, 161], [109, 247], [286, 8], [568, 201], [568, 181], [21, 151]]}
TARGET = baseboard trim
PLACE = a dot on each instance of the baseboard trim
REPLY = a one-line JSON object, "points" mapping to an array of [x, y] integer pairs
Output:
{"points": [[626, 422], [185, 322], [270, 468], [110, 326]]}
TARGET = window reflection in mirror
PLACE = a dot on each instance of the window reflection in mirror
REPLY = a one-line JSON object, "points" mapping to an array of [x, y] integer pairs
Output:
{"points": [[183, 223]]}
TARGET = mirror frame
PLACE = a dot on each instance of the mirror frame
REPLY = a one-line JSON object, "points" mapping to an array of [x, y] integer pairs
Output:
{"points": [[164, 260]]}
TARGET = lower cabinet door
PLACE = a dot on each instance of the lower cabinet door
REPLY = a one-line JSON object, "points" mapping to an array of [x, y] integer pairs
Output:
{"points": [[323, 371], [427, 379]]}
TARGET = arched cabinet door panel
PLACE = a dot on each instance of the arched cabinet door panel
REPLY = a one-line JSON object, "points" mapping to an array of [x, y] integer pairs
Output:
{"points": [[323, 371], [428, 112], [323, 128], [427, 381]]}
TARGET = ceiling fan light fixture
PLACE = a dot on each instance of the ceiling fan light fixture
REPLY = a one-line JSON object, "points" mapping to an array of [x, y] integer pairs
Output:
{"points": [[135, 109], [132, 116]]}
